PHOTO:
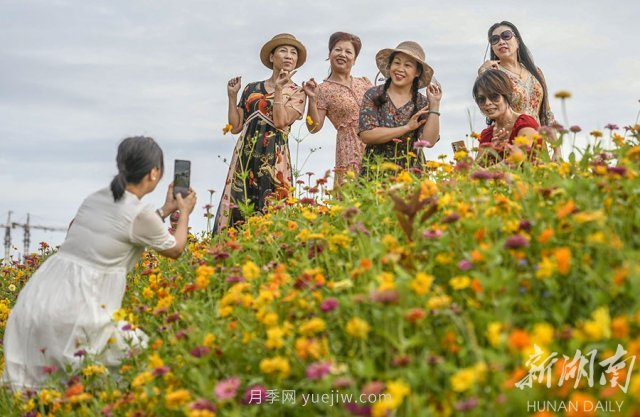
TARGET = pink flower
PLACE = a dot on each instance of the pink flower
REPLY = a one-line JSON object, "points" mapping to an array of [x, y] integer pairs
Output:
{"points": [[318, 370], [432, 234], [420, 144], [161, 370], [329, 304], [256, 394], [200, 351], [227, 388], [611, 126], [575, 129], [516, 241], [202, 404], [465, 265]]}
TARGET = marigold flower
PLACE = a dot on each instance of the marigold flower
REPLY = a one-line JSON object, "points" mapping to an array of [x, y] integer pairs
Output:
{"points": [[227, 128], [358, 328], [175, 399], [519, 339], [563, 260]]}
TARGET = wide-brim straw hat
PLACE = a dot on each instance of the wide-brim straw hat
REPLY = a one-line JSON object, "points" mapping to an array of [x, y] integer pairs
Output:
{"points": [[412, 49], [279, 40]]}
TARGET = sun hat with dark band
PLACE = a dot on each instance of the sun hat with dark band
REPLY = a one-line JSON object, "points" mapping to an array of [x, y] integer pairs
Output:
{"points": [[412, 49], [280, 40]]}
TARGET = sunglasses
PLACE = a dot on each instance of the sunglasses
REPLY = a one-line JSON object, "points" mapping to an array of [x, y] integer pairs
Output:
{"points": [[494, 97], [505, 36]]}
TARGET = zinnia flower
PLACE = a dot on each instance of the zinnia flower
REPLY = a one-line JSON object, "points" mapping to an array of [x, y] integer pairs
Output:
{"points": [[329, 304], [318, 370], [227, 388], [516, 241]]}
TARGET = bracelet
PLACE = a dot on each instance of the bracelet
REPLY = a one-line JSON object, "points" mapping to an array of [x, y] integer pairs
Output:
{"points": [[434, 112], [160, 213]]}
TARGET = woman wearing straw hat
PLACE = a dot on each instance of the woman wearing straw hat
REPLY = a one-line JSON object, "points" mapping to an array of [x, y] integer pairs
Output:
{"points": [[396, 120], [260, 166], [339, 98]]}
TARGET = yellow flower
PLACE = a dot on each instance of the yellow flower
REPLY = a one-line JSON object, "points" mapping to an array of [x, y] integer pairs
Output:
{"points": [[119, 314], [200, 413], [309, 215], [94, 370], [227, 128], [563, 94], [599, 327], [463, 379], [275, 338], [309, 121], [389, 166], [341, 240], [404, 177], [276, 365], [147, 293], [421, 284], [209, 339], [546, 268], [438, 302], [494, 333], [250, 270], [444, 258], [398, 391], [596, 133], [177, 398], [542, 334], [460, 282], [141, 379], [315, 325], [523, 141], [387, 281], [427, 189], [358, 328], [155, 361]]}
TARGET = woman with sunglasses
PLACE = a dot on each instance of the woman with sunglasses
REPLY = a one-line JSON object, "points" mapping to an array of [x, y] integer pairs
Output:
{"points": [[493, 92], [338, 98], [510, 55]]}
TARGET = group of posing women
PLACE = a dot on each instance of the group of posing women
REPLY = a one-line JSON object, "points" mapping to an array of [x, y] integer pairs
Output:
{"points": [[391, 122], [65, 310]]}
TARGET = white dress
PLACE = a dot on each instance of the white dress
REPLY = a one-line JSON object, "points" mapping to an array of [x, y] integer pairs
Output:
{"points": [[68, 303]]}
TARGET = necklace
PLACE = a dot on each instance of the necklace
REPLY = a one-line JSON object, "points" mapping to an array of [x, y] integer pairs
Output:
{"points": [[518, 74], [508, 123]]}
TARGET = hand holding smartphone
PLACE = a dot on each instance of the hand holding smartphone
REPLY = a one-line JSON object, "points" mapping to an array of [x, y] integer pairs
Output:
{"points": [[181, 177]]}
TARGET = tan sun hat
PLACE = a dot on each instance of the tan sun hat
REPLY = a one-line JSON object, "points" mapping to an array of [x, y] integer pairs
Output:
{"points": [[412, 49], [279, 40]]}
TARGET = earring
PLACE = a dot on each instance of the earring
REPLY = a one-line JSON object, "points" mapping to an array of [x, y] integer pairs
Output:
{"points": [[153, 178]]}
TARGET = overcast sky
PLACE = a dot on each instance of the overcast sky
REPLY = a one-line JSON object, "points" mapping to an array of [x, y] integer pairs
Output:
{"points": [[76, 77]]}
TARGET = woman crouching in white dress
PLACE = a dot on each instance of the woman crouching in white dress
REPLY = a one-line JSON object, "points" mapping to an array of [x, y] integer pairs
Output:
{"points": [[65, 310]]}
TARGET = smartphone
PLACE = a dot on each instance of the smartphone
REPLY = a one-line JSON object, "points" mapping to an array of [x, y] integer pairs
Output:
{"points": [[181, 177], [458, 146]]}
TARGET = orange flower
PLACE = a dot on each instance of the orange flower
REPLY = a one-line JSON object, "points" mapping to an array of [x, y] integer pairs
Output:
{"points": [[583, 402], [565, 210], [563, 260], [365, 264], [519, 339], [620, 275], [226, 129], [620, 327], [545, 235], [75, 389], [476, 286], [479, 235]]}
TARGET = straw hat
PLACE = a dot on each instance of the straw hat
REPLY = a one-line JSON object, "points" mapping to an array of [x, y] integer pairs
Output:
{"points": [[412, 49], [279, 40]]}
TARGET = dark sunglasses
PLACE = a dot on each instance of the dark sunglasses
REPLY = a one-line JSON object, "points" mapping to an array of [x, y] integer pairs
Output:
{"points": [[494, 97], [506, 35]]}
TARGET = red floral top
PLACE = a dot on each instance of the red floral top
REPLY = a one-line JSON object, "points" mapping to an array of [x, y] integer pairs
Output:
{"points": [[521, 122]]}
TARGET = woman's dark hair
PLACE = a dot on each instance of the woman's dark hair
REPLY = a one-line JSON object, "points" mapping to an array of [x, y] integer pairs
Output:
{"points": [[381, 98], [137, 156], [344, 36], [494, 81], [526, 59]]}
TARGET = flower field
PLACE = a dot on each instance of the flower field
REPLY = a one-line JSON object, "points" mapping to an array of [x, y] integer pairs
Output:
{"points": [[461, 291]]}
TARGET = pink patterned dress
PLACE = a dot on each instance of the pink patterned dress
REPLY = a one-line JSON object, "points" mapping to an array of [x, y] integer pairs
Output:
{"points": [[527, 95], [342, 105]]}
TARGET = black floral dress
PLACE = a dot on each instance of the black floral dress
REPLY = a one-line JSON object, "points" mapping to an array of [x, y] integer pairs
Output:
{"points": [[401, 150], [260, 166]]}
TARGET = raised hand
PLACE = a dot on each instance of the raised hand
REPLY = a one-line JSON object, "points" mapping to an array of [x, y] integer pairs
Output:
{"points": [[434, 93], [186, 205], [284, 78], [500, 138], [233, 86], [488, 65], [418, 119], [310, 88]]}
